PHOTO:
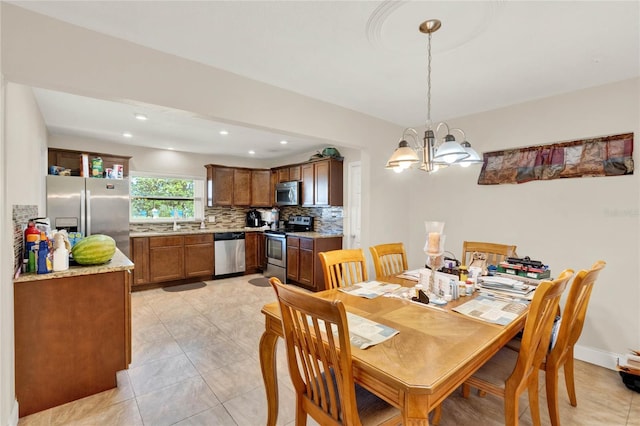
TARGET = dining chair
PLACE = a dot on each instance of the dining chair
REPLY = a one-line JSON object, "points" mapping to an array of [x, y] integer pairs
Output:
{"points": [[389, 259], [343, 268], [561, 354], [508, 373], [495, 253], [316, 335]]}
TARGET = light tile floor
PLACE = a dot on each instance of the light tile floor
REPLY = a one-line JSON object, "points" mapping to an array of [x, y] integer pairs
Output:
{"points": [[195, 362]]}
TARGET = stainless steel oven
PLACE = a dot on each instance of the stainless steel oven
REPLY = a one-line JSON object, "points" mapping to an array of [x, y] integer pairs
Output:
{"points": [[276, 252]]}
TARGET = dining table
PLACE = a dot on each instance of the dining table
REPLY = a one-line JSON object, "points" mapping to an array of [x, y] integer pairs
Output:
{"points": [[435, 351]]}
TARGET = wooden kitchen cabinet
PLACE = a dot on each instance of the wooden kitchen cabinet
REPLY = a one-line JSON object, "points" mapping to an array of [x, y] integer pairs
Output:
{"points": [[72, 335], [198, 255], [283, 175], [222, 186], [72, 160], [322, 183], [293, 258], [234, 186], [308, 187], [166, 258], [241, 187], [295, 173], [262, 251], [139, 249], [181, 258], [261, 189], [251, 252], [303, 263]]}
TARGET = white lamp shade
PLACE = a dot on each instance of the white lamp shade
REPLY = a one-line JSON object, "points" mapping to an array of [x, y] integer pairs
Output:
{"points": [[403, 157], [473, 158], [450, 152]]}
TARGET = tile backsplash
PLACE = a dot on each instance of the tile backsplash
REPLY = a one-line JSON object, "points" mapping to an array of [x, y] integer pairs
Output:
{"points": [[20, 217], [326, 219]]}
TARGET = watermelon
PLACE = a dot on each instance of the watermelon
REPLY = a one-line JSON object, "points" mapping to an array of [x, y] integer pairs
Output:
{"points": [[94, 250]]}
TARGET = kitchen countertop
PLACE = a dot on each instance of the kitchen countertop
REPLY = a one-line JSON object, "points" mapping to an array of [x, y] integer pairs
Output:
{"points": [[119, 262], [213, 231]]}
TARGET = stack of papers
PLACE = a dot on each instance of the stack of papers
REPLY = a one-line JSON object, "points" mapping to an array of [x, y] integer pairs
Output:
{"points": [[413, 275], [505, 285], [364, 333], [370, 289], [491, 309]]}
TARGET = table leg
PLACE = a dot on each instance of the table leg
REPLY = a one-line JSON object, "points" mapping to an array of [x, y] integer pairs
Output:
{"points": [[269, 375], [416, 410]]}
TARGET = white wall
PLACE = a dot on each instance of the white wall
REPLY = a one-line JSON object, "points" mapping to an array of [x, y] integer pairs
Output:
{"points": [[26, 148], [23, 161], [567, 223]]}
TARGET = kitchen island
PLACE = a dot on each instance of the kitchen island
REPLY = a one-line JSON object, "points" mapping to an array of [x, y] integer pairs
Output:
{"points": [[72, 332]]}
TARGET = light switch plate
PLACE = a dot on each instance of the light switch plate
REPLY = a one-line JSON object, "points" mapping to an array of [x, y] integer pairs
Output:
{"points": [[212, 219]]}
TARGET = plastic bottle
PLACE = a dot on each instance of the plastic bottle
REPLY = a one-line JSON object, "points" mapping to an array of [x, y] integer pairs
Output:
{"points": [[31, 238], [44, 261], [60, 253]]}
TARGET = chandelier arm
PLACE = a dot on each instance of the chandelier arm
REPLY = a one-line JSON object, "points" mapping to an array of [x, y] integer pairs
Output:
{"points": [[464, 136]]}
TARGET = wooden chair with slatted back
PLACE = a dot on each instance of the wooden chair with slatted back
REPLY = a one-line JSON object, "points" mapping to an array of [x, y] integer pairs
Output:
{"points": [[507, 374], [573, 315], [389, 259], [496, 253], [343, 268], [321, 369]]}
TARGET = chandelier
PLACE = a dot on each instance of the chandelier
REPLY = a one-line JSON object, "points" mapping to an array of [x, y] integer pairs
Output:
{"points": [[435, 153]]}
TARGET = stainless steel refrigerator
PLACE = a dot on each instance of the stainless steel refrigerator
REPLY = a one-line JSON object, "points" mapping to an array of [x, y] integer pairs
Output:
{"points": [[90, 206]]}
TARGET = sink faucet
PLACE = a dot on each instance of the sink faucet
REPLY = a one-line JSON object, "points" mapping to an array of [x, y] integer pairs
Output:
{"points": [[175, 223]]}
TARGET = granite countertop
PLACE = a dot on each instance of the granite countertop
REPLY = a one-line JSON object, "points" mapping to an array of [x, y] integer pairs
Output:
{"points": [[193, 231], [119, 262], [213, 231], [313, 234]]}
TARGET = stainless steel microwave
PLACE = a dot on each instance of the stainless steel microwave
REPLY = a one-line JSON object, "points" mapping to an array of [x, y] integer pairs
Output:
{"points": [[288, 194]]}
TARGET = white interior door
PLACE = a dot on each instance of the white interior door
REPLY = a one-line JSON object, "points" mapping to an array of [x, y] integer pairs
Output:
{"points": [[354, 206]]}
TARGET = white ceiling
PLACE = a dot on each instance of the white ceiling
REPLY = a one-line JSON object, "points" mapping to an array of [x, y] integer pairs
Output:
{"points": [[364, 55]]}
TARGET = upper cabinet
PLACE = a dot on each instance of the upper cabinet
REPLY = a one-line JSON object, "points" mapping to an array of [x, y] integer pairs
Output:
{"points": [[234, 186], [322, 183], [288, 173], [72, 160]]}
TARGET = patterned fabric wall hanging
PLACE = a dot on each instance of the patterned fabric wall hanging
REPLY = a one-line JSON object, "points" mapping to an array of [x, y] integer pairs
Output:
{"points": [[603, 156]]}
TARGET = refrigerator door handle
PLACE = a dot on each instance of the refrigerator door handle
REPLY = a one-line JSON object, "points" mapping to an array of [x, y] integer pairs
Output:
{"points": [[83, 220], [88, 216]]}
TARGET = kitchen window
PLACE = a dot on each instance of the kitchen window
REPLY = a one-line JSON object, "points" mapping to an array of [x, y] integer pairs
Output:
{"points": [[156, 198]]}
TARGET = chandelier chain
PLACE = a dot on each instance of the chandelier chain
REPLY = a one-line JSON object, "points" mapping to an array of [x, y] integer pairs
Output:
{"points": [[429, 82]]}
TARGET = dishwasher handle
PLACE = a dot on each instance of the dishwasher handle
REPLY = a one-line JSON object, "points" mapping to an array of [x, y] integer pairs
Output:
{"points": [[226, 236]]}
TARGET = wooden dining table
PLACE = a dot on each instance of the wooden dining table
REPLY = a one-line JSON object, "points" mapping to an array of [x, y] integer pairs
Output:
{"points": [[435, 351]]}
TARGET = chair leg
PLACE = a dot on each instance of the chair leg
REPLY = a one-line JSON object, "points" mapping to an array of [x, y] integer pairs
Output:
{"points": [[301, 415], [510, 410], [568, 377], [534, 403], [551, 385]]}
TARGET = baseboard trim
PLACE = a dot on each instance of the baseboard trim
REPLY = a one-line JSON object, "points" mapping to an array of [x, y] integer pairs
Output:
{"points": [[595, 356], [13, 418]]}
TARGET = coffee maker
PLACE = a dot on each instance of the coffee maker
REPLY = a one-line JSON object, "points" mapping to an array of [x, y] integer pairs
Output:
{"points": [[254, 219]]}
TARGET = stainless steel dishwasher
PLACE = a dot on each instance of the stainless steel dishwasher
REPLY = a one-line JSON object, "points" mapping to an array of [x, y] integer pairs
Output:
{"points": [[228, 253]]}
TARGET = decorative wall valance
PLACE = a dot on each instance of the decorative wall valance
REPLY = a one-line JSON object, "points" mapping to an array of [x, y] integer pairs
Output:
{"points": [[603, 156]]}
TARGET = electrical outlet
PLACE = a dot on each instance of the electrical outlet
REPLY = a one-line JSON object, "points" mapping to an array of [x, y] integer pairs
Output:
{"points": [[212, 219]]}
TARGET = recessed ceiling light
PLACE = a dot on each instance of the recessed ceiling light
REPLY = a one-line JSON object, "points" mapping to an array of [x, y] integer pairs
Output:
{"points": [[252, 152], [224, 132], [283, 142], [140, 117], [127, 135]]}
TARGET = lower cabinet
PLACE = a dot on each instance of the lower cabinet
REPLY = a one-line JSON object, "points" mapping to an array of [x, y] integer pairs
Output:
{"points": [[161, 259], [72, 335], [303, 263], [262, 251], [251, 252]]}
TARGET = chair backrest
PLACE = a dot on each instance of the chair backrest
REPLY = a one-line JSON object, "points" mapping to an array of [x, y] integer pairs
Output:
{"points": [[343, 268], [575, 310], [496, 253], [316, 335], [537, 330], [389, 259]]}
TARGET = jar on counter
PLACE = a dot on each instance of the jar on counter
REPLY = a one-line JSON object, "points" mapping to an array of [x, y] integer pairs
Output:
{"points": [[463, 273]]}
